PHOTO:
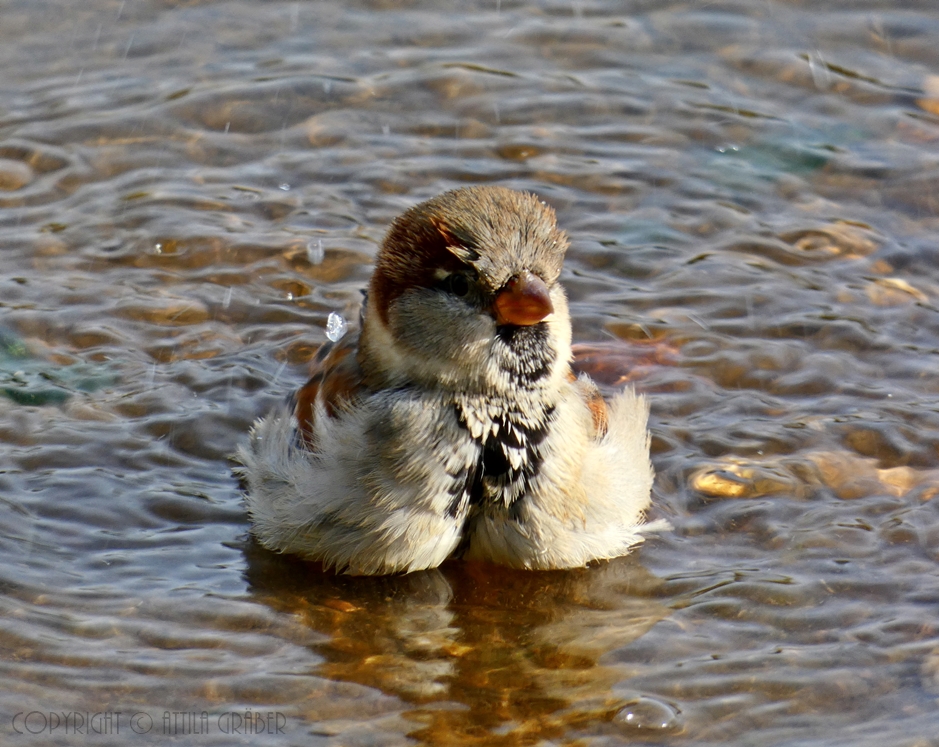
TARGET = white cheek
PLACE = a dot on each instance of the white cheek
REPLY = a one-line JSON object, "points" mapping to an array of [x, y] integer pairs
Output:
{"points": [[438, 325], [434, 339], [438, 340], [559, 322], [381, 350]]}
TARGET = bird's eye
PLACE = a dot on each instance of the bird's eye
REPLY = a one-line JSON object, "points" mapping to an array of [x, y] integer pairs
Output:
{"points": [[457, 284]]}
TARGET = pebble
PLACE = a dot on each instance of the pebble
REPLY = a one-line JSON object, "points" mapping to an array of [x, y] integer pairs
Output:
{"points": [[14, 175]]}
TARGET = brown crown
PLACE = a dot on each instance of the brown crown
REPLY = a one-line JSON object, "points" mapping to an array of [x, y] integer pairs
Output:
{"points": [[498, 232]]}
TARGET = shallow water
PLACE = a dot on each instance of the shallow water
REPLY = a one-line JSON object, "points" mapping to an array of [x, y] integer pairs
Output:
{"points": [[187, 190]]}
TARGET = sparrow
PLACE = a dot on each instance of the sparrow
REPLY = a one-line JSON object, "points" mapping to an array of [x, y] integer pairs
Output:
{"points": [[452, 424]]}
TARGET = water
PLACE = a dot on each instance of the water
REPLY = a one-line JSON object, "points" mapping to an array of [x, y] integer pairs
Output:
{"points": [[189, 190]]}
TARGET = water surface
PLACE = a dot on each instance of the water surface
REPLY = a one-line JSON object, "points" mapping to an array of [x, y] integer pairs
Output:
{"points": [[189, 189]]}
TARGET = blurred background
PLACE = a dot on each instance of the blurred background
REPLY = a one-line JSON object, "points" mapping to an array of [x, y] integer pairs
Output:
{"points": [[189, 189]]}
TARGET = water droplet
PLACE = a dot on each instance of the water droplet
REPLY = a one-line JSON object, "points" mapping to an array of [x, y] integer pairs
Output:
{"points": [[315, 252], [335, 326], [158, 248], [289, 296], [821, 73], [649, 715], [285, 187]]}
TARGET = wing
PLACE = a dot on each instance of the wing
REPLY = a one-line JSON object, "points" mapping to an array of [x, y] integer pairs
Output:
{"points": [[335, 380], [614, 364], [599, 410]]}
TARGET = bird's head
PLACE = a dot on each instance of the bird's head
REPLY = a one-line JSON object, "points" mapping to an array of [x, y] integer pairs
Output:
{"points": [[465, 296]]}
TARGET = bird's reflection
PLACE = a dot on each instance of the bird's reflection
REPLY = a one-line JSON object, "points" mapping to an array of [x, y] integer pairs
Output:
{"points": [[514, 651]]}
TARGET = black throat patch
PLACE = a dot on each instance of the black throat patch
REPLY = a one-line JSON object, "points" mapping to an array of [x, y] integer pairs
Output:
{"points": [[509, 458], [530, 353]]}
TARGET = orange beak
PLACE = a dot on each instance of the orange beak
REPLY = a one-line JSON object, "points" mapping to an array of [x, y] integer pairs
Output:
{"points": [[523, 301]]}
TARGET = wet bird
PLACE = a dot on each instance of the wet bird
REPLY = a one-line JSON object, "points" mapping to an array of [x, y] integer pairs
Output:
{"points": [[452, 424]]}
